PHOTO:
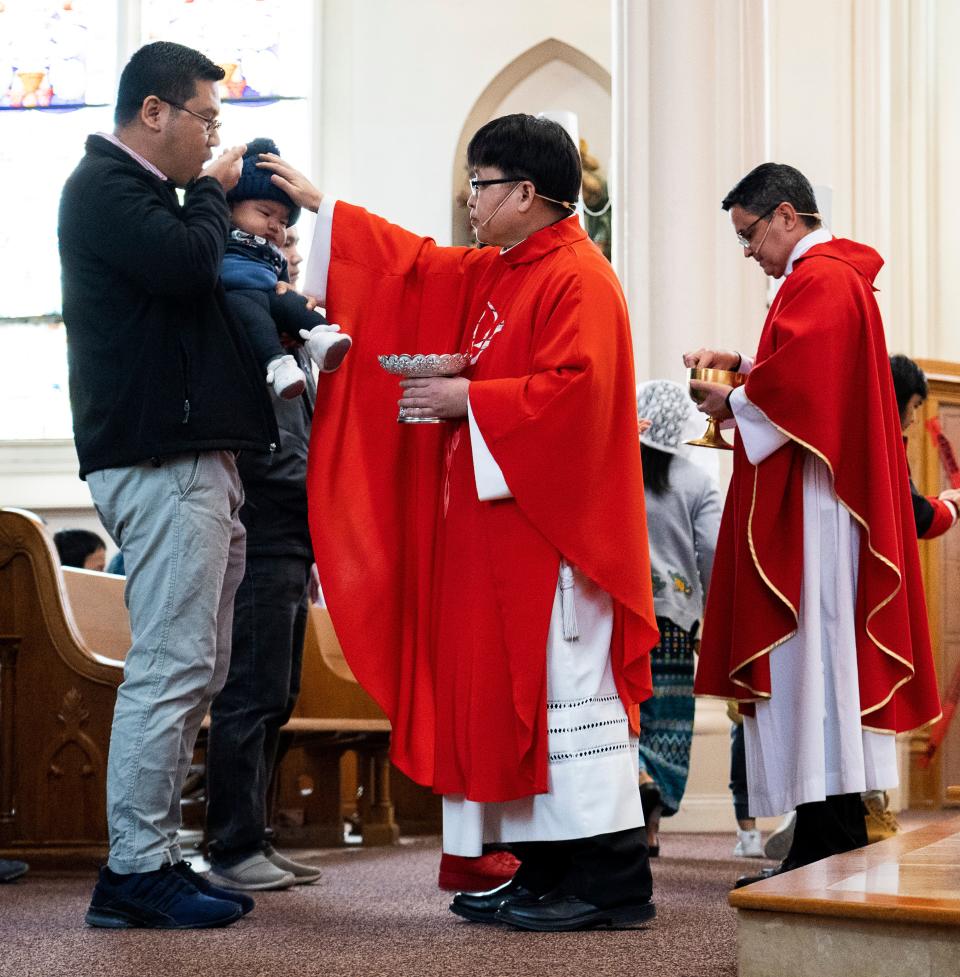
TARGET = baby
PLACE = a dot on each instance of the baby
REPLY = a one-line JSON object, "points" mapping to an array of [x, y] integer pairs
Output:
{"points": [[260, 213]]}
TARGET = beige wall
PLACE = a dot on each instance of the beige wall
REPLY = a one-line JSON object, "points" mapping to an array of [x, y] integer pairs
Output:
{"points": [[400, 80]]}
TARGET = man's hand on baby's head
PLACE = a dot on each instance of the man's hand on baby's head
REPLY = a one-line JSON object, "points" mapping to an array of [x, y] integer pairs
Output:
{"points": [[227, 167]]}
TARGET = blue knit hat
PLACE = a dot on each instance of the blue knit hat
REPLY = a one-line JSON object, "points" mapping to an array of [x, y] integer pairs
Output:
{"points": [[255, 184]]}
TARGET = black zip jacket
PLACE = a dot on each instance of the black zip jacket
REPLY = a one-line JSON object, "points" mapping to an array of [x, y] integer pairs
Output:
{"points": [[158, 366], [274, 511]]}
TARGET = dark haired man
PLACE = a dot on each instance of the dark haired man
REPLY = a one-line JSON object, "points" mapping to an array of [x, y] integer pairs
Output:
{"points": [[493, 602], [165, 390], [815, 620], [80, 548], [933, 514]]}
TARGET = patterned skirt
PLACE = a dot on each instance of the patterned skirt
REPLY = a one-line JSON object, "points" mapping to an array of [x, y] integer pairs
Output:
{"points": [[666, 719]]}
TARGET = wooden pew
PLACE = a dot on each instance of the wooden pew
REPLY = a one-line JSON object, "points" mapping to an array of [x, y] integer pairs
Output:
{"points": [[56, 707], [96, 602], [349, 753], [63, 635], [372, 792]]}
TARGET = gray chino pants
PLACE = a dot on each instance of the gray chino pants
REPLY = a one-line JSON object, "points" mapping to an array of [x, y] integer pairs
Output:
{"points": [[183, 546]]}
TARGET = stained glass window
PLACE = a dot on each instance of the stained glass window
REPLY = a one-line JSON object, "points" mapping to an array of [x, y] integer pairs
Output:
{"points": [[54, 55], [256, 42]]}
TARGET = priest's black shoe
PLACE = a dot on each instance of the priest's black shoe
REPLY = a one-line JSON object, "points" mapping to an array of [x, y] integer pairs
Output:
{"points": [[765, 873], [481, 907], [557, 912]]}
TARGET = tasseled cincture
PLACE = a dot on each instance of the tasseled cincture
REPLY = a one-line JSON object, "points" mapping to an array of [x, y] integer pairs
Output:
{"points": [[568, 606]]}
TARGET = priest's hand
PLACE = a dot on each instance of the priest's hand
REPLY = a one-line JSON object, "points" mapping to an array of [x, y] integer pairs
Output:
{"points": [[435, 397], [713, 359], [711, 398], [291, 181], [950, 495]]}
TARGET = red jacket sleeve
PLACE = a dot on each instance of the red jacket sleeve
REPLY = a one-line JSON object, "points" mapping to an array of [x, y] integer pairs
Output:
{"points": [[944, 516]]}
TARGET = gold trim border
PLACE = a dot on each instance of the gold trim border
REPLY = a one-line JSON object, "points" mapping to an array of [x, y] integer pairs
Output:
{"points": [[870, 614]]}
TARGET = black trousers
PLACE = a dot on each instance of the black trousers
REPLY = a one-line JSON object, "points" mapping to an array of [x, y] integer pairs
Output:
{"points": [[738, 773], [261, 690], [605, 870], [826, 828]]}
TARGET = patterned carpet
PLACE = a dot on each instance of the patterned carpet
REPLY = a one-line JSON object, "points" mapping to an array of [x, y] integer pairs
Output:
{"points": [[379, 912]]}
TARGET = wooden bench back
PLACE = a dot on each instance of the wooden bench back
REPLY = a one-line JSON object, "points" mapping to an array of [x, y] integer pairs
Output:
{"points": [[99, 610], [328, 687]]}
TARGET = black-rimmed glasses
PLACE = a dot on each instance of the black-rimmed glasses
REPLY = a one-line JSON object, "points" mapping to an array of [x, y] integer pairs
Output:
{"points": [[477, 185], [211, 125]]}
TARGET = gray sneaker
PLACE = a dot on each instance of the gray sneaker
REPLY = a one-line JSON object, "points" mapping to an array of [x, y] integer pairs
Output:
{"points": [[252, 874], [304, 874]]}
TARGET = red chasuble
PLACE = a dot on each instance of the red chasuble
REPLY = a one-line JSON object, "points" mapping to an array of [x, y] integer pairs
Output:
{"points": [[442, 603], [823, 378]]}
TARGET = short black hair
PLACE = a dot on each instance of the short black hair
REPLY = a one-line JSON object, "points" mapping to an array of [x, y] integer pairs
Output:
{"points": [[75, 545], [767, 186], [169, 71], [908, 379], [532, 148]]}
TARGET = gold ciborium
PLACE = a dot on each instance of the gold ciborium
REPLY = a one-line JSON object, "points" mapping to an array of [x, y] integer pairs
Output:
{"points": [[712, 437]]}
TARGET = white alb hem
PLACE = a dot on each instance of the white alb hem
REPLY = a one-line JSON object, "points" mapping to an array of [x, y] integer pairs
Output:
{"points": [[592, 757]]}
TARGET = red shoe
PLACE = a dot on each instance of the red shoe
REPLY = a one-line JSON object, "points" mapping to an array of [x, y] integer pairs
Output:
{"points": [[459, 874]]}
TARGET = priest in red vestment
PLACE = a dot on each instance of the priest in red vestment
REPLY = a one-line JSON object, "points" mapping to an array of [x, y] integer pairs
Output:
{"points": [[815, 621], [488, 576]]}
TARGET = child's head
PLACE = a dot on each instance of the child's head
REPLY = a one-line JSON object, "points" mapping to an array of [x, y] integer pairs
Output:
{"points": [[81, 548], [257, 205]]}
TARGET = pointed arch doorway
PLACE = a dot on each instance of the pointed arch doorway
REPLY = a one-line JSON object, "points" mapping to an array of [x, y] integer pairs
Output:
{"points": [[550, 75]]}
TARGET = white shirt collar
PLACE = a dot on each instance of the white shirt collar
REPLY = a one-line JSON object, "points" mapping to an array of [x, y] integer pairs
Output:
{"points": [[145, 163], [820, 236]]}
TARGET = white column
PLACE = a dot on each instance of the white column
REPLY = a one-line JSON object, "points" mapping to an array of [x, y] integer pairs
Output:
{"points": [[944, 336], [688, 123], [629, 168], [914, 310], [872, 99]]}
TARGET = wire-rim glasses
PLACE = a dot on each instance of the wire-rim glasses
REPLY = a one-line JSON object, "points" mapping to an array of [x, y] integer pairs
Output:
{"points": [[211, 125], [743, 238]]}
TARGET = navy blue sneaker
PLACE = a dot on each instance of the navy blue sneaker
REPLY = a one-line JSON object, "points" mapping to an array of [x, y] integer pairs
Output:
{"points": [[185, 870], [11, 869], [162, 899]]}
